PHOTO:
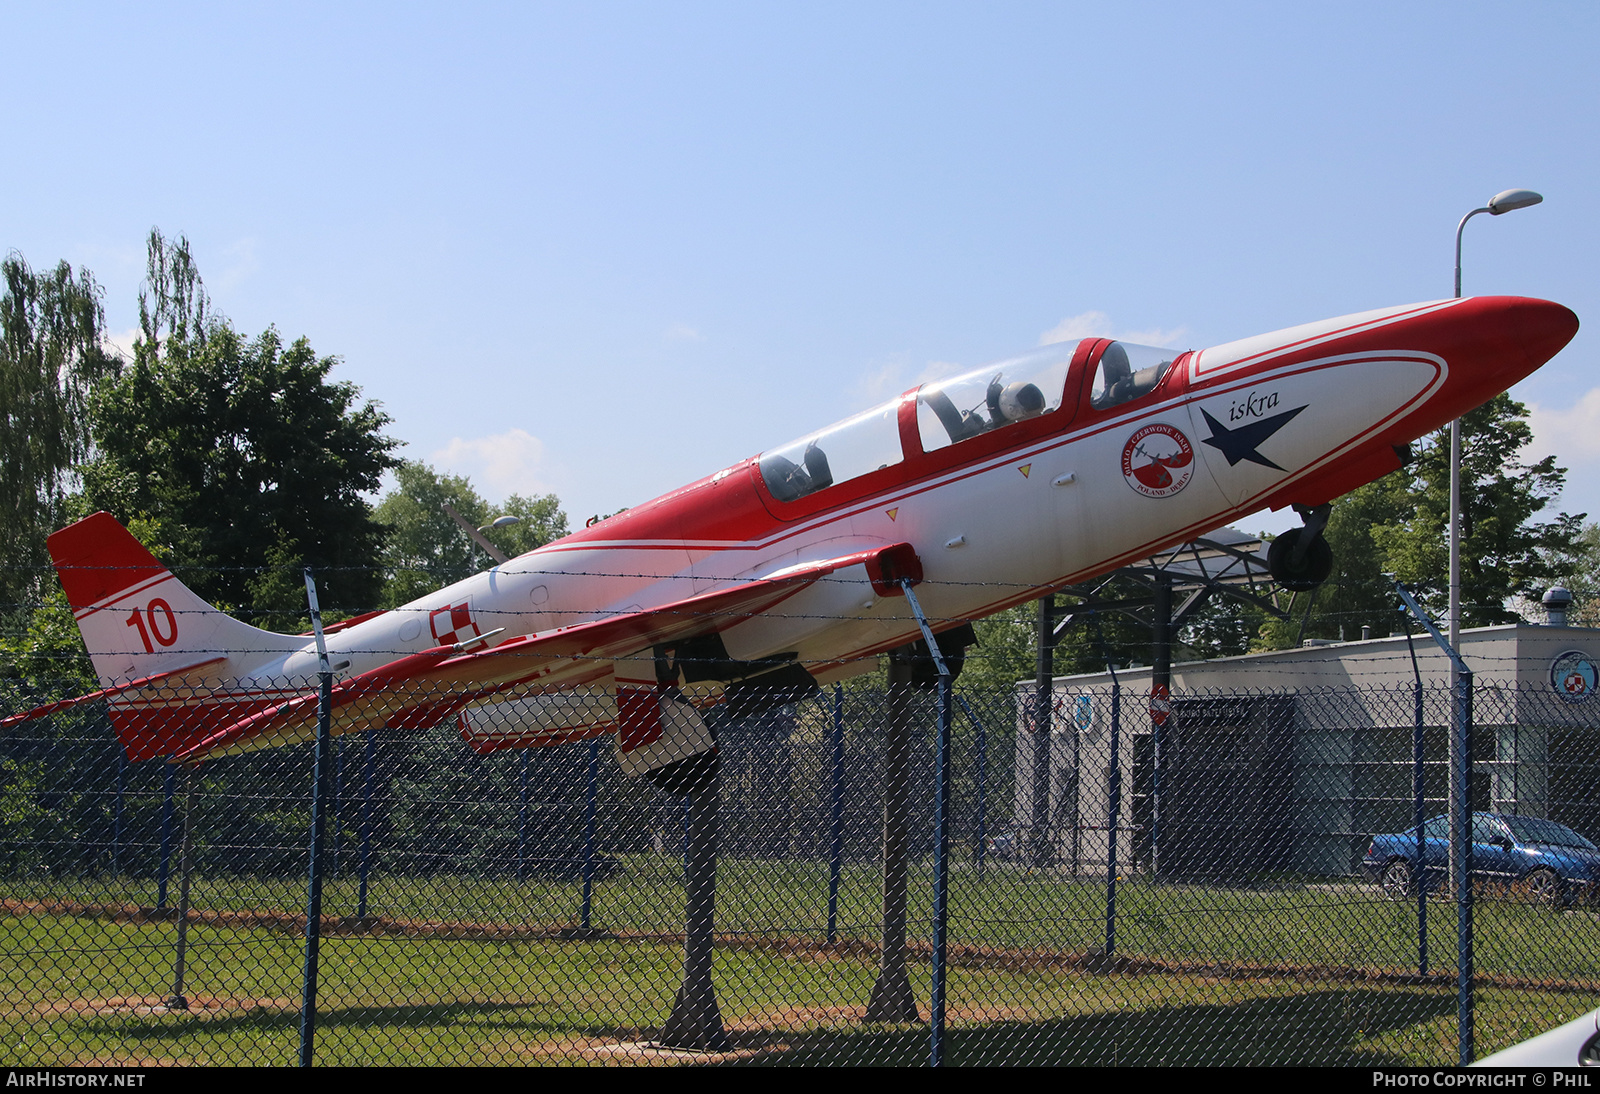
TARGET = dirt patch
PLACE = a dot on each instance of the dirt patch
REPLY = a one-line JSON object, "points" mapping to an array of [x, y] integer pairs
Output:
{"points": [[798, 947]]}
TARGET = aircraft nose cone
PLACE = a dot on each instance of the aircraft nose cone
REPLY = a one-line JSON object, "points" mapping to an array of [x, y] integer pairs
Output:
{"points": [[1541, 327]]}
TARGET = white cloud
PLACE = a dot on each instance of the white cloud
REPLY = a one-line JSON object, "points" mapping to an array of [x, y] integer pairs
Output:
{"points": [[682, 332], [894, 376], [1570, 433], [937, 370], [1089, 324], [505, 463], [881, 382], [1097, 324]]}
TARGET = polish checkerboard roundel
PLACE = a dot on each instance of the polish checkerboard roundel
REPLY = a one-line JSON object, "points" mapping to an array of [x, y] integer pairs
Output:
{"points": [[1574, 676], [453, 624], [1158, 460]]}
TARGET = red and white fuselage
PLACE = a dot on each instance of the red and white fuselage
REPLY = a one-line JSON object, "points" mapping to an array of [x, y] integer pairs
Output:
{"points": [[1028, 474]]}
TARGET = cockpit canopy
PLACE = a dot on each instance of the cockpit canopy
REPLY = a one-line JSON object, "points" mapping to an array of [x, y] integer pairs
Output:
{"points": [[986, 399], [993, 397], [1126, 371], [843, 451]]}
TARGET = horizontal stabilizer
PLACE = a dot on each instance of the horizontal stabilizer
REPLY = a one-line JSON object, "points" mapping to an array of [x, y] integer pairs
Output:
{"points": [[106, 693]]}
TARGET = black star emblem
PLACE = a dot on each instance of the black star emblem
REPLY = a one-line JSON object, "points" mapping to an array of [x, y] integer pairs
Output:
{"points": [[1241, 443]]}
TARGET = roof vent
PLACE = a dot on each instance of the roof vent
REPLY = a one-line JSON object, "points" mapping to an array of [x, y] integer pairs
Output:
{"points": [[1556, 601]]}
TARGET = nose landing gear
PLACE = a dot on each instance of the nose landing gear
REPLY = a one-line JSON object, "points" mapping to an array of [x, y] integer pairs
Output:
{"points": [[1301, 558]]}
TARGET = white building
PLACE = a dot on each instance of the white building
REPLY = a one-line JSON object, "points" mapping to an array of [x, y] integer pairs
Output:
{"points": [[1288, 762]]}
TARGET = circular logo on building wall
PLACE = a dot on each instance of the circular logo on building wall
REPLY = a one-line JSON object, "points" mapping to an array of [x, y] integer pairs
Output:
{"points": [[1574, 676], [1158, 460]]}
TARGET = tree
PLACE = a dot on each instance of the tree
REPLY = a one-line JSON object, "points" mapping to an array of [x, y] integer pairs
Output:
{"points": [[1358, 593], [1399, 526], [1505, 552], [426, 549], [1582, 578], [245, 460], [51, 354], [540, 521]]}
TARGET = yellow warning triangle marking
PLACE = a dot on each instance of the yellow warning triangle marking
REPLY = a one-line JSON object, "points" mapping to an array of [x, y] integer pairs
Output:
{"points": [[892, 512], [1025, 468]]}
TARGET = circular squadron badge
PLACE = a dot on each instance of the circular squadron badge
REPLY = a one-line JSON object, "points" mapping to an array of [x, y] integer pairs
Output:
{"points": [[1573, 676], [1158, 460]]}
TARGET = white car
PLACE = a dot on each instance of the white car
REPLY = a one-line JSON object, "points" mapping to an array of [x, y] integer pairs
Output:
{"points": [[1576, 1044]]}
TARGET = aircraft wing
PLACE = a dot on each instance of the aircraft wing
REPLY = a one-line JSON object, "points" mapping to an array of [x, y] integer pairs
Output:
{"points": [[428, 687]]}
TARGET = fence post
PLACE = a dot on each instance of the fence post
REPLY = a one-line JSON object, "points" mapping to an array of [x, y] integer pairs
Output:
{"points": [[522, 814], [319, 795], [1460, 827], [836, 819], [335, 792], [1113, 815], [164, 871], [116, 815], [177, 1000], [1461, 728], [590, 810], [1420, 807], [369, 776], [1040, 852], [980, 748]]}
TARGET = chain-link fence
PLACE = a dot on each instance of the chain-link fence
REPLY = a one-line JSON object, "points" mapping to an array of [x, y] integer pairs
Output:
{"points": [[1243, 883]]}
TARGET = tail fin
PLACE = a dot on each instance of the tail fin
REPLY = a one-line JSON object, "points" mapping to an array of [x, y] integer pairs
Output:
{"points": [[137, 619], [163, 654]]}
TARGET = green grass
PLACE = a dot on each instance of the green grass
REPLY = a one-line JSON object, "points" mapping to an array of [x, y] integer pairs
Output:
{"points": [[1222, 985]]}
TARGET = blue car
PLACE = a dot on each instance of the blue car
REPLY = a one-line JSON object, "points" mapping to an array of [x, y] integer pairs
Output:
{"points": [[1546, 862]]}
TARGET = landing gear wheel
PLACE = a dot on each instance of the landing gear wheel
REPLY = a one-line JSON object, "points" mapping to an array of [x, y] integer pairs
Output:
{"points": [[1315, 564], [1396, 880], [1544, 887]]}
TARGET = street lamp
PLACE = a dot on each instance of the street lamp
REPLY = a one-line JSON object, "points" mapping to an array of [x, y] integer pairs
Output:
{"points": [[1459, 747], [475, 535], [1503, 202]]}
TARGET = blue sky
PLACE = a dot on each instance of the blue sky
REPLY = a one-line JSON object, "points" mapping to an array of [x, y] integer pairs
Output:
{"points": [[603, 249]]}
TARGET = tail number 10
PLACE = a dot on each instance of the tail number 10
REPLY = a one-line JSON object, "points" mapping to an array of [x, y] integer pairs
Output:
{"points": [[162, 625]]}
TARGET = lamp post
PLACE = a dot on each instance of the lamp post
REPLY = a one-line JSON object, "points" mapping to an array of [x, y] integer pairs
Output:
{"points": [[1503, 202], [475, 535]]}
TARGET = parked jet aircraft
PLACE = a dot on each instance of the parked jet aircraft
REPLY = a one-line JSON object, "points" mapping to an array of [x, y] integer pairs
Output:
{"points": [[786, 569]]}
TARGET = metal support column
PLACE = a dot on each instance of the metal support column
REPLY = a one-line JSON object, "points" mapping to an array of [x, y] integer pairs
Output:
{"points": [[891, 999], [1160, 707], [696, 1021], [941, 834]]}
